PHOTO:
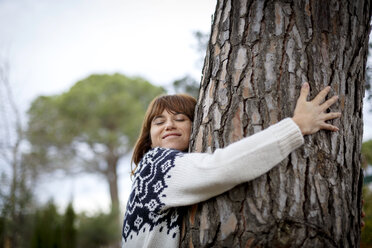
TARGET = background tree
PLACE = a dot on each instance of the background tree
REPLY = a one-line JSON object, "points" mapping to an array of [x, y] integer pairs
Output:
{"points": [[367, 160], [51, 229], [16, 177], [259, 54], [69, 228], [367, 153], [90, 127], [97, 231], [48, 228], [366, 237], [188, 85]]}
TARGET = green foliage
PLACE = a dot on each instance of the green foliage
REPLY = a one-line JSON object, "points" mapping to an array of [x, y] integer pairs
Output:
{"points": [[2, 231], [100, 230], [187, 85], [15, 202], [367, 153], [104, 110], [366, 237], [90, 127], [52, 230], [367, 160], [68, 228], [47, 230], [87, 128]]}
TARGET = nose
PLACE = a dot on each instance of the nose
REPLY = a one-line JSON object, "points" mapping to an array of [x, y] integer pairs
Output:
{"points": [[169, 125]]}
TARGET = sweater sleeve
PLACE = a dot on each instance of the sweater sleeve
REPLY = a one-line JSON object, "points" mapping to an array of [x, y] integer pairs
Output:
{"points": [[196, 177]]}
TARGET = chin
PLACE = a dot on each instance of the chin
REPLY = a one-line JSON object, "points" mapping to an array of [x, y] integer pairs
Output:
{"points": [[176, 147]]}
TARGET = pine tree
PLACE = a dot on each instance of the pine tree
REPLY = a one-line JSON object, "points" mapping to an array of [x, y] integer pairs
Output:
{"points": [[259, 54]]}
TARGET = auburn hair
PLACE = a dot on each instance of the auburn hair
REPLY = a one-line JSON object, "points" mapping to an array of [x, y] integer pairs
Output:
{"points": [[178, 103]]}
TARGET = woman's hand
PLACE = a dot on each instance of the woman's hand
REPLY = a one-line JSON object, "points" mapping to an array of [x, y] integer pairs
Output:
{"points": [[311, 116]]}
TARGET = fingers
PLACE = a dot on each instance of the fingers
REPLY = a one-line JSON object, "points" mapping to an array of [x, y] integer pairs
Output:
{"points": [[321, 96], [331, 116], [329, 127], [329, 103], [304, 92]]}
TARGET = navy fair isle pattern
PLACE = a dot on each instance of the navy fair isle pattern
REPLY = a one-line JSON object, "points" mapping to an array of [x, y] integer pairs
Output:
{"points": [[145, 208]]}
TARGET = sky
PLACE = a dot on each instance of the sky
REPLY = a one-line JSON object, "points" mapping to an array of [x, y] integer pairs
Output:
{"points": [[51, 44]]}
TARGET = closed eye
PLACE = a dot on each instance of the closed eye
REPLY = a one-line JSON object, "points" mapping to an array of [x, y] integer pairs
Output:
{"points": [[180, 117], [158, 120]]}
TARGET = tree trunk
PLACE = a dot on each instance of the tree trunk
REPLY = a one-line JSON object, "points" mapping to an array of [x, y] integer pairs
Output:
{"points": [[259, 54], [112, 178]]}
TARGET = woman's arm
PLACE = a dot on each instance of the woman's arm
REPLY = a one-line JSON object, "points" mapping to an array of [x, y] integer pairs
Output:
{"points": [[196, 177], [183, 179]]}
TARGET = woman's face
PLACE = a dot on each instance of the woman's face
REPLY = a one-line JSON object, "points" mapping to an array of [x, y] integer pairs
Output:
{"points": [[170, 131]]}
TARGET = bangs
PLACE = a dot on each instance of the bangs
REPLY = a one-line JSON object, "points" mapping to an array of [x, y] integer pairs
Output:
{"points": [[174, 104], [179, 103]]}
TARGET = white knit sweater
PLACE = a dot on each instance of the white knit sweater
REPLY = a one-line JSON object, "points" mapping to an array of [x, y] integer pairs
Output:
{"points": [[167, 179]]}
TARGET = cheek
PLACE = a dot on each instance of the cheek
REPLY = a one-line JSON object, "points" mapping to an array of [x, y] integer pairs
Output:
{"points": [[153, 136], [188, 130]]}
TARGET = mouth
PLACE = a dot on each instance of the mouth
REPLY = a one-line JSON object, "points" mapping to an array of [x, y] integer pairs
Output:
{"points": [[171, 134]]}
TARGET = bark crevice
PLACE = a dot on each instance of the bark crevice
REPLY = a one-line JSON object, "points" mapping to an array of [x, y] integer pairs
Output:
{"points": [[257, 59]]}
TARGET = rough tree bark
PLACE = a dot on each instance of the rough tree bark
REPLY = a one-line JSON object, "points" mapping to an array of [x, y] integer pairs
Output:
{"points": [[259, 54]]}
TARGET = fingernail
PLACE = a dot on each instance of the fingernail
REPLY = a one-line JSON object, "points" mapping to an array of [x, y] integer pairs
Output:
{"points": [[305, 85]]}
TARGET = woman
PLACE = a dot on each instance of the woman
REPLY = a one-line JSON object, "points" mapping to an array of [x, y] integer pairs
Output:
{"points": [[166, 178]]}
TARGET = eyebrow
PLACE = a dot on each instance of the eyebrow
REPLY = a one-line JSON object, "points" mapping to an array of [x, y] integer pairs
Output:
{"points": [[162, 116], [157, 117]]}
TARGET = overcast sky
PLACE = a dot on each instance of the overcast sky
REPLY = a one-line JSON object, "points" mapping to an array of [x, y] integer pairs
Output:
{"points": [[51, 44]]}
